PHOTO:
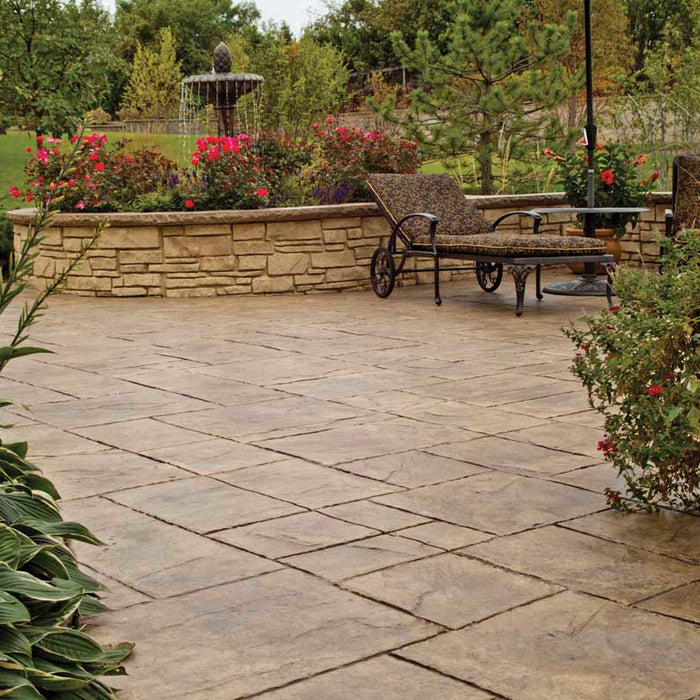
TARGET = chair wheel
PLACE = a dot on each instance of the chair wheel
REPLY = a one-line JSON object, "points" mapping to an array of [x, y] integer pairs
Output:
{"points": [[489, 275], [382, 272]]}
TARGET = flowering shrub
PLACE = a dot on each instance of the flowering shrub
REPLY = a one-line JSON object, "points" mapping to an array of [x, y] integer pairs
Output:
{"points": [[618, 182], [346, 155], [223, 173], [98, 179], [226, 174], [640, 362]]}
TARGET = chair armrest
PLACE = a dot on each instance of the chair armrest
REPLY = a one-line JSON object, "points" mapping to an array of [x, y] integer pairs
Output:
{"points": [[537, 219], [668, 218], [434, 221]]}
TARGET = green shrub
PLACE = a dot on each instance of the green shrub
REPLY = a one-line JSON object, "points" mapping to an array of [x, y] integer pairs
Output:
{"points": [[44, 596], [640, 362]]}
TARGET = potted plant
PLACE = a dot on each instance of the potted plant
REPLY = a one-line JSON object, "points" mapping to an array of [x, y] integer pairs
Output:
{"points": [[618, 183], [640, 362]]}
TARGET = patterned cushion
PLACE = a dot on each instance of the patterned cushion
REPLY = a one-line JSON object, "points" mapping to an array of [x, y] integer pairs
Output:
{"points": [[518, 245], [686, 194], [398, 195]]}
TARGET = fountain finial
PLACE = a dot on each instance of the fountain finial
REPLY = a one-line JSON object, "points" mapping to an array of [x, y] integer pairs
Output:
{"points": [[223, 63]]}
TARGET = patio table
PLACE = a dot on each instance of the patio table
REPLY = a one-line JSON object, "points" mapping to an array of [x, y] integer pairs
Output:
{"points": [[589, 284]]}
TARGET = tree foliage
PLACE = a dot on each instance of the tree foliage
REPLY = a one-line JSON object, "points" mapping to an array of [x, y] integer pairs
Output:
{"points": [[56, 61], [491, 82], [153, 91], [197, 25], [304, 80]]}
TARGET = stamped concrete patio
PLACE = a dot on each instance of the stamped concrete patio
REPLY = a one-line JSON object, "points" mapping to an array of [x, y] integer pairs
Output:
{"points": [[337, 498]]}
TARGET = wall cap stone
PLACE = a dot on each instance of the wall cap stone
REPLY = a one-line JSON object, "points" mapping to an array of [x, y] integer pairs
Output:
{"points": [[25, 217]]}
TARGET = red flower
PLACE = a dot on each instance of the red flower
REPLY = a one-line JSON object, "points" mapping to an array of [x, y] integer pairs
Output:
{"points": [[14, 191], [39, 139], [329, 120], [71, 183], [607, 446], [614, 308], [195, 159], [607, 176], [189, 204], [314, 125], [548, 152], [655, 390], [654, 175], [641, 159], [262, 192], [128, 159], [99, 167], [29, 197], [93, 157], [28, 149], [583, 346]]}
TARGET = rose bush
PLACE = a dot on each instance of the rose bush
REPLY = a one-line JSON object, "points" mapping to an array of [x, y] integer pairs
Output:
{"points": [[344, 157], [640, 362], [618, 182]]}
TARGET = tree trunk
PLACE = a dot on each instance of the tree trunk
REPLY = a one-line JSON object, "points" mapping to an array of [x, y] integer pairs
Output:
{"points": [[485, 164]]}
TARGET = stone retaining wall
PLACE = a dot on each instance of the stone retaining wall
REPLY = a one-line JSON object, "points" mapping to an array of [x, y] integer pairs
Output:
{"points": [[303, 249]]}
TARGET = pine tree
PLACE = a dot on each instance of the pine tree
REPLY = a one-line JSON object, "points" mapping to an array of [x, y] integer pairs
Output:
{"points": [[494, 80], [153, 91]]}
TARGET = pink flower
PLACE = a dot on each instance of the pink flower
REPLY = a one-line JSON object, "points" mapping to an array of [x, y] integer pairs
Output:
{"points": [[341, 130], [29, 197], [80, 205], [99, 167], [195, 159], [262, 192], [14, 192], [93, 157], [73, 138], [329, 120], [201, 144], [655, 390], [314, 125], [71, 183], [87, 178], [243, 137], [189, 204], [213, 154]]}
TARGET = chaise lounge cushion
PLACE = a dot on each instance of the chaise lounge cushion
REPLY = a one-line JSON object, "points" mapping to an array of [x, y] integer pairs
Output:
{"points": [[440, 195], [508, 245]]}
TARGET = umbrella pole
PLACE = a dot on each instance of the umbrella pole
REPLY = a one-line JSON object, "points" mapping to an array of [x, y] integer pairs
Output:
{"points": [[590, 131]]}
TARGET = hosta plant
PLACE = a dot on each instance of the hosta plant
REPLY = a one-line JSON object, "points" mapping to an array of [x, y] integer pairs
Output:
{"points": [[640, 362], [45, 598]]}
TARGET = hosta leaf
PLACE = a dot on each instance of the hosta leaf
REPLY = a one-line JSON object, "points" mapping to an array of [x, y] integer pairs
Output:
{"points": [[27, 585], [31, 506], [46, 564], [70, 677], [36, 482], [14, 686], [70, 645], [12, 641], [89, 584], [10, 546], [56, 614], [89, 606], [67, 530], [11, 609], [19, 448], [114, 654], [93, 691]]}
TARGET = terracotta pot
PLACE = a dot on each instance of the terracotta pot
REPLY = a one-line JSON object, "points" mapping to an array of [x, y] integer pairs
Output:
{"points": [[612, 246]]}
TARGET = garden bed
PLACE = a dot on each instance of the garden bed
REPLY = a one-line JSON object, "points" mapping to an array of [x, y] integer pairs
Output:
{"points": [[261, 251]]}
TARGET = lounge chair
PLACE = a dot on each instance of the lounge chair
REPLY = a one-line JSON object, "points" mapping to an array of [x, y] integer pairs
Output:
{"points": [[431, 218]]}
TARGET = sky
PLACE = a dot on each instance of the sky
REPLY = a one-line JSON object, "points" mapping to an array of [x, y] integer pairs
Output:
{"points": [[296, 13]]}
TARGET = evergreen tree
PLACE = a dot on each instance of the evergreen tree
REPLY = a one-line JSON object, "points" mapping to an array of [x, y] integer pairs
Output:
{"points": [[153, 91], [494, 80]]}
